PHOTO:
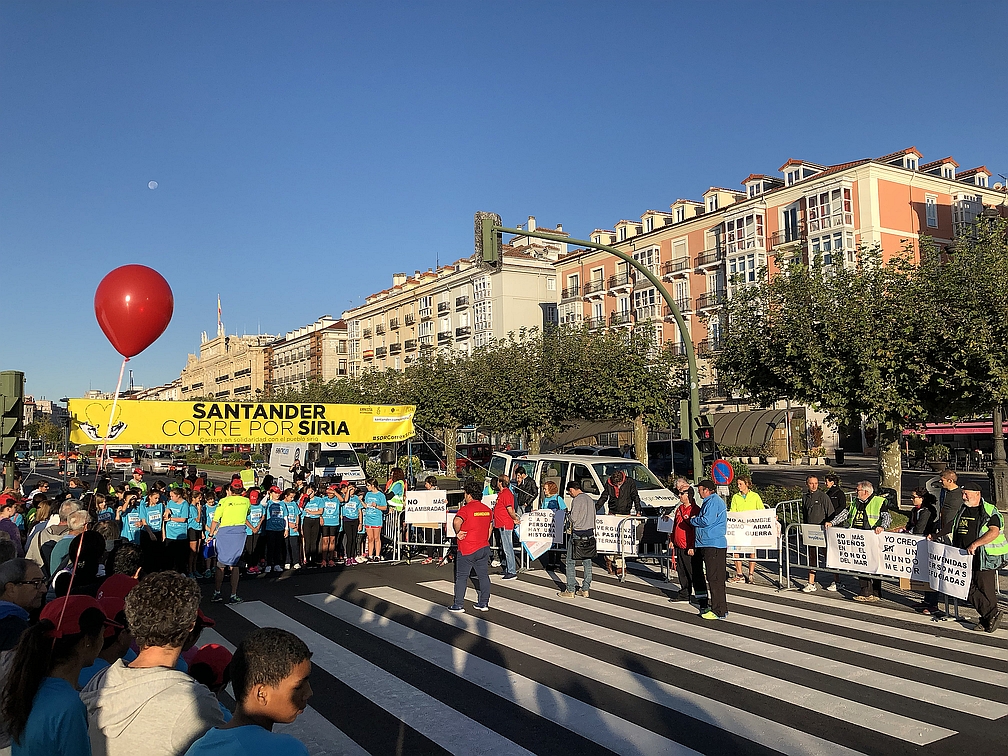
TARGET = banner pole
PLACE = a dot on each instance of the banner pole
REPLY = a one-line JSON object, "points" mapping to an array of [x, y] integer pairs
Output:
{"points": [[115, 401]]}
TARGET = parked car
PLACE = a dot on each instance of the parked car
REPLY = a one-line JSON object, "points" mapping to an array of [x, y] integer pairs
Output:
{"points": [[156, 461], [596, 451]]}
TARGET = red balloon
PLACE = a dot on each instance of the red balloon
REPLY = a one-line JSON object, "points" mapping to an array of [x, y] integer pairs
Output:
{"points": [[134, 305]]}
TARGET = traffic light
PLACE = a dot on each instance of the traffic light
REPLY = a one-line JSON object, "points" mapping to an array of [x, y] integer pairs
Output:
{"points": [[488, 241], [705, 439], [12, 407]]}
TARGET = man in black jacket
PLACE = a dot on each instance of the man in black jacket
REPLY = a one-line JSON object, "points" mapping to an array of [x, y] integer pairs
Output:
{"points": [[525, 491], [817, 508]]}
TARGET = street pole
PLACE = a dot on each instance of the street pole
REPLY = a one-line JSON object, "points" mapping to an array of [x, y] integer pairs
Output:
{"points": [[999, 470], [694, 383]]}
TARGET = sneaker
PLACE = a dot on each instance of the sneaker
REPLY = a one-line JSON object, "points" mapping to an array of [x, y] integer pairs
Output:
{"points": [[235, 599], [287, 566], [349, 562], [509, 577], [709, 615], [217, 598], [582, 593], [361, 559], [481, 608], [495, 563], [253, 570], [866, 598], [297, 566], [810, 588], [832, 588], [456, 608], [566, 594]]}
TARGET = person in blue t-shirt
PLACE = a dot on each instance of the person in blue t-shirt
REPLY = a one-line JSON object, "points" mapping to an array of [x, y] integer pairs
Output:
{"points": [[253, 526], [351, 521], [152, 514], [311, 524], [195, 530], [293, 512], [128, 517], [332, 504], [269, 676], [275, 528], [375, 504], [176, 530], [102, 511], [42, 711]]}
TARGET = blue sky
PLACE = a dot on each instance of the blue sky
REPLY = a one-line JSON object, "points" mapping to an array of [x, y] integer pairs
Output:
{"points": [[306, 151]]}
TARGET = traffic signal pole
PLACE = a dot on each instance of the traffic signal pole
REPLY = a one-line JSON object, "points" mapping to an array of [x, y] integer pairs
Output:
{"points": [[489, 242]]}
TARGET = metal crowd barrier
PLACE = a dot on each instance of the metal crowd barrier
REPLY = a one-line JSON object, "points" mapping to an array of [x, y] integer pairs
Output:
{"points": [[424, 538], [647, 548], [392, 532]]}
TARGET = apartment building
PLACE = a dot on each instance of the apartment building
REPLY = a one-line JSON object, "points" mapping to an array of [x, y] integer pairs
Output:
{"points": [[168, 392], [461, 306], [319, 350], [704, 249], [227, 367]]}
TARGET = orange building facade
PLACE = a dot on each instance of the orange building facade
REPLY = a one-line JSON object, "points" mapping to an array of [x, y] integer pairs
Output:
{"points": [[705, 249]]}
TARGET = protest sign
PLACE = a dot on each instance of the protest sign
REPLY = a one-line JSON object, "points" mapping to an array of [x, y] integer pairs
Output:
{"points": [[755, 529], [606, 536], [666, 524], [426, 507], [539, 529], [950, 570], [854, 550], [813, 535], [903, 556]]}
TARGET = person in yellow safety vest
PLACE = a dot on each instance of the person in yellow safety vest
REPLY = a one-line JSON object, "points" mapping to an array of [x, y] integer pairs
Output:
{"points": [[866, 512], [248, 476], [979, 528], [745, 500]]}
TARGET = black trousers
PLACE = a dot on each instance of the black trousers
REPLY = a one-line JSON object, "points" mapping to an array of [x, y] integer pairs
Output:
{"points": [[310, 529], [715, 575], [177, 554], [983, 592], [686, 567], [350, 538], [276, 548], [294, 549]]}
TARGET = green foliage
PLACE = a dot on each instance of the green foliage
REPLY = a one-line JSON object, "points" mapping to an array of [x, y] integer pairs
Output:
{"points": [[937, 453]]}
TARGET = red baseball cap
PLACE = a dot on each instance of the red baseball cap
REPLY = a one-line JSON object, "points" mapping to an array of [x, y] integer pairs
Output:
{"points": [[138, 470], [111, 605], [116, 585], [75, 606], [7, 500], [332, 487], [214, 656], [275, 489], [236, 485]]}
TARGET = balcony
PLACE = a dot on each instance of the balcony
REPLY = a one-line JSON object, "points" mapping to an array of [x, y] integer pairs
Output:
{"points": [[426, 341], [368, 354], [641, 281], [710, 301], [595, 324], [708, 347], [710, 258], [685, 308], [410, 345], [393, 324], [461, 302], [648, 312], [788, 237], [444, 337], [409, 319], [395, 348], [621, 283], [595, 289], [618, 319], [571, 292], [463, 332], [366, 333], [678, 268], [443, 307], [380, 352], [709, 393], [426, 313], [676, 349], [380, 329]]}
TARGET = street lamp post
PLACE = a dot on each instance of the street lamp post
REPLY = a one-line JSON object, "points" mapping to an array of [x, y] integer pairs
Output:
{"points": [[488, 241], [999, 469], [66, 443]]}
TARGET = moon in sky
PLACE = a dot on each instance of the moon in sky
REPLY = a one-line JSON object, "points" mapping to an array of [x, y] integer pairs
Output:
{"points": [[152, 185]]}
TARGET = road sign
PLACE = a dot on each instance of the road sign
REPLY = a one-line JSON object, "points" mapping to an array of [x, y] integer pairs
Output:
{"points": [[722, 472]]}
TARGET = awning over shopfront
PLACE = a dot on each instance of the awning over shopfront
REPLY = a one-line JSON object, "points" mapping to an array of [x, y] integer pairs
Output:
{"points": [[966, 428]]}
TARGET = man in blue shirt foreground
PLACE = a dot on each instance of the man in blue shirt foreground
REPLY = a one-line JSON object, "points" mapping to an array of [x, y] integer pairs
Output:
{"points": [[711, 527]]}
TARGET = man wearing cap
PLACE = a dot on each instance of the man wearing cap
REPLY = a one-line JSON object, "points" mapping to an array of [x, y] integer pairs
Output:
{"points": [[978, 528], [22, 588], [228, 530], [148, 706], [138, 481]]}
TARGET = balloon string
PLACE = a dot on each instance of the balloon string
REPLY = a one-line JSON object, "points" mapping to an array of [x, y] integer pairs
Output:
{"points": [[115, 401], [73, 573]]}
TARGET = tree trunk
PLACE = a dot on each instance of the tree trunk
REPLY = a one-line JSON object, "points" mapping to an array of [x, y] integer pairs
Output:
{"points": [[640, 436], [890, 460], [451, 451], [535, 441]]}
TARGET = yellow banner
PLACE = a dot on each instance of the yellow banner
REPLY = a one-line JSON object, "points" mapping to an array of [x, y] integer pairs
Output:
{"points": [[142, 422]]}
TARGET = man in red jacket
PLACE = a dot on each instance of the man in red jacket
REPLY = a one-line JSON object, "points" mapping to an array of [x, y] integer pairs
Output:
{"points": [[689, 565], [504, 518]]}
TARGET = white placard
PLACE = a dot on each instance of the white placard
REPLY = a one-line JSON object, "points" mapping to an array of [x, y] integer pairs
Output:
{"points": [[426, 507], [903, 556], [606, 537], [813, 535], [450, 523], [754, 529], [666, 524], [854, 550], [539, 529], [950, 570]]}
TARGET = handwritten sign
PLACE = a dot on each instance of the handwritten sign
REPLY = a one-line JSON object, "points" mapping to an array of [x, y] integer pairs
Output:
{"points": [[903, 555], [539, 529], [854, 550], [608, 539], [426, 507], [950, 570], [754, 529]]}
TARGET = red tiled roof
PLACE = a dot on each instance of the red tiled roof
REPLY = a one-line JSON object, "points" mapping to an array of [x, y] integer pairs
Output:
{"points": [[753, 176], [936, 163], [900, 153], [973, 171]]}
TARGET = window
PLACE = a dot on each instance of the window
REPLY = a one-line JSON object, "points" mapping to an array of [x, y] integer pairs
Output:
{"points": [[742, 269], [932, 210], [744, 233], [649, 223], [910, 161], [483, 315], [830, 209], [712, 203], [622, 233], [948, 171], [981, 180], [598, 311], [445, 324], [583, 476], [756, 189], [679, 250], [793, 176], [426, 302], [426, 328], [481, 288], [829, 248], [680, 214], [550, 284]]}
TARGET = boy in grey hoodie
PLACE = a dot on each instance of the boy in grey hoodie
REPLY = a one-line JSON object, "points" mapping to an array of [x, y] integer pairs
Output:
{"points": [[148, 706]]}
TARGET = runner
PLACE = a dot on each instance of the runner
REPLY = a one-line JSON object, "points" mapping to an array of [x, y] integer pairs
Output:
{"points": [[351, 520], [228, 530], [311, 524], [331, 507], [293, 513], [275, 530]]}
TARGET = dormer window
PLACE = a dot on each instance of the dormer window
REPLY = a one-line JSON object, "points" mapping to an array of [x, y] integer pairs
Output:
{"points": [[712, 204], [910, 162], [948, 171], [981, 179], [649, 224], [622, 233], [680, 214], [793, 177], [756, 189]]}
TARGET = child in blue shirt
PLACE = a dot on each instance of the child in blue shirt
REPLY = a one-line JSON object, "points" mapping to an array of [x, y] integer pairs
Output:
{"points": [[293, 512], [176, 530], [128, 516], [332, 504], [269, 676], [276, 531], [311, 524], [152, 514], [252, 527], [374, 504], [209, 552], [102, 511], [351, 515]]}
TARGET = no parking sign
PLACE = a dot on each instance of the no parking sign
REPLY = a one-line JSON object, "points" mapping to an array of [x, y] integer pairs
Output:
{"points": [[722, 472]]}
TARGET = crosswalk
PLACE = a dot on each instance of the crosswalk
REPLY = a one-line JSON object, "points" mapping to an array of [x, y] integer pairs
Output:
{"points": [[629, 672]]}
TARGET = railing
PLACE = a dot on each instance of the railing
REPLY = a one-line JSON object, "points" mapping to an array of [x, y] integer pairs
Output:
{"points": [[393, 324], [710, 299], [708, 346], [595, 286], [444, 336], [642, 281], [788, 236], [380, 352], [410, 345], [461, 302], [571, 292], [395, 348], [380, 329], [685, 305], [707, 393], [426, 340], [443, 307], [366, 333], [710, 257], [680, 265], [462, 332], [426, 313], [595, 323], [619, 280], [621, 319], [409, 319], [676, 349]]}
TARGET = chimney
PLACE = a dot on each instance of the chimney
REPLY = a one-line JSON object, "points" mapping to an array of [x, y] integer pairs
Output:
{"points": [[531, 223], [416, 275], [559, 227], [398, 279]]}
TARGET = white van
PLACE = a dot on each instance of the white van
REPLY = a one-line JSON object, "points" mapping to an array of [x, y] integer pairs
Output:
{"points": [[589, 471], [321, 462]]}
